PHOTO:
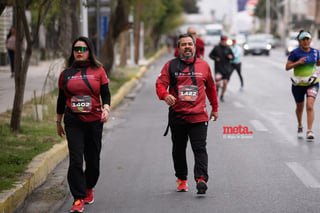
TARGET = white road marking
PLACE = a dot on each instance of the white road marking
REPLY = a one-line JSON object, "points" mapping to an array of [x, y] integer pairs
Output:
{"points": [[306, 178], [258, 126]]}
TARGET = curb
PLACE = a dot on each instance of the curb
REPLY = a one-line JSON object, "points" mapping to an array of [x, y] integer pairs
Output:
{"points": [[35, 175], [42, 165]]}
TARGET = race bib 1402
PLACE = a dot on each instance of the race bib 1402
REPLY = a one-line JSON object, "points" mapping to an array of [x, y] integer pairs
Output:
{"points": [[81, 104]]}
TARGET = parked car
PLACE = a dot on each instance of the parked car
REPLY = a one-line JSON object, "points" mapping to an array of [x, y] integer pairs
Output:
{"points": [[257, 44]]}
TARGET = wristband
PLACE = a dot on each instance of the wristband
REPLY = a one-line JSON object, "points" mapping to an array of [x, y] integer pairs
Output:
{"points": [[57, 121]]}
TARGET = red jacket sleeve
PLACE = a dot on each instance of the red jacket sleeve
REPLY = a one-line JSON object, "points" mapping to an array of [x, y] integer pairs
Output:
{"points": [[163, 82], [199, 47], [211, 92], [176, 52]]}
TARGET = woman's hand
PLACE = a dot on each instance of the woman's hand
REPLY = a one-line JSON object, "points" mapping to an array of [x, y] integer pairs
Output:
{"points": [[60, 129], [104, 116]]}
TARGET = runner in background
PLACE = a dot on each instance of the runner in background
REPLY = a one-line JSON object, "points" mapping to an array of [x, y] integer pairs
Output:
{"points": [[236, 62], [222, 56], [305, 83]]}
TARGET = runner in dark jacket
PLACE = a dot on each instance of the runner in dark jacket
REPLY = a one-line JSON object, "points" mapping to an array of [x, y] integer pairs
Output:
{"points": [[222, 56]]}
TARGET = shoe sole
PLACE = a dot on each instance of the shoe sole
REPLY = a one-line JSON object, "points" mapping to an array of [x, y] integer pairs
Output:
{"points": [[87, 203], [77, 210], [202, 188], [182, 190], [310, 139]]}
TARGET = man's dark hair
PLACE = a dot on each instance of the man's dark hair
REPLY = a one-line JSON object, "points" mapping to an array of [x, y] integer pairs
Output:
{"points": [[185, 36]]}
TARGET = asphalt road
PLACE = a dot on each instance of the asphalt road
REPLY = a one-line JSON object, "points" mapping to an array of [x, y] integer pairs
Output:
{"points": [[267, 171]]}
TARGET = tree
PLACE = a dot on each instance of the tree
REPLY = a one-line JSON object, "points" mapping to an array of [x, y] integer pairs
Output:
{"points": [[276, 12], [21, 64], [137, 28], [117, 25], [65, 14], [159, 17], [190, 6], [69, 29], [168, 19]]}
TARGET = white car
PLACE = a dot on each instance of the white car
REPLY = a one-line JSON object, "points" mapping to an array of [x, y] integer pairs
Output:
{"points": [[212, 34], [257, 45]]}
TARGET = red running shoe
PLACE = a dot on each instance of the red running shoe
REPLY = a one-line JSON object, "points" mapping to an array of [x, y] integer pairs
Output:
{"points": [[89, 199], [77, 206], [182, 185]]}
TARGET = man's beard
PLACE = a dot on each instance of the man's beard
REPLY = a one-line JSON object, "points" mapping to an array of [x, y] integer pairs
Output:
{"points": [[182, 56]]}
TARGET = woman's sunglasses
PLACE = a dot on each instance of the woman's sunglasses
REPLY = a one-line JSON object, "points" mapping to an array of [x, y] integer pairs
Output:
{"points": [[81, 49]]}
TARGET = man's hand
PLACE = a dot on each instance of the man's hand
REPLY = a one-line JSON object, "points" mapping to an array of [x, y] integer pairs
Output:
{"points": [[214, 116], [170, 100]]}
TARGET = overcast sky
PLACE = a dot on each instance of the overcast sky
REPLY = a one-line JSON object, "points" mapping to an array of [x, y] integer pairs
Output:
{"points": [[242, 21], [219, 6]]}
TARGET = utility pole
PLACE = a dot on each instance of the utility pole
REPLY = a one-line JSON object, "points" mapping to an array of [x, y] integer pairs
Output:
{"points": [[267, 16], [84, 18], [141, 47], [98, 27], [131, 37]]}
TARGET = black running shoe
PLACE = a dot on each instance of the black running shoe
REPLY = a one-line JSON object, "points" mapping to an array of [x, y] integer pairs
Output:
{"points": [[201, 186]]}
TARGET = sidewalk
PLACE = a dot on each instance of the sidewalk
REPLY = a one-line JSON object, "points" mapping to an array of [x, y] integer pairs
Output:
{"points": [[36, 77], [42, 165]]}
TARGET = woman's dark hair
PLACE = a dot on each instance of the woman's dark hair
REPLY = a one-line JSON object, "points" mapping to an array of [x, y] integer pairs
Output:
{"points": [[92, 57], [185, 36]]}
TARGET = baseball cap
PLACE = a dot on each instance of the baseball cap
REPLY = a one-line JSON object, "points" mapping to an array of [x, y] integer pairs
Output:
{"points": [[304, 35], [223, 38]]}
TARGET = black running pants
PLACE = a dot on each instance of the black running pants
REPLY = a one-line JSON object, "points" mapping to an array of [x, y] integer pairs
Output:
{"points": [[197, 133], [84, 142]]}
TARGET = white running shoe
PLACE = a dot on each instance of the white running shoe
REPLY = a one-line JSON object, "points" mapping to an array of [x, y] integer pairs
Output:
{"points": [[310, 135], [300, 132]]}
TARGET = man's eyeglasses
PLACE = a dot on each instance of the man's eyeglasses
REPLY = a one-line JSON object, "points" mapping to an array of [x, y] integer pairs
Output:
{"points": [[81, 49]]}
